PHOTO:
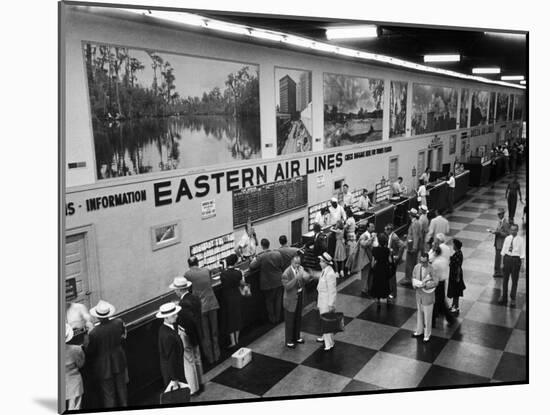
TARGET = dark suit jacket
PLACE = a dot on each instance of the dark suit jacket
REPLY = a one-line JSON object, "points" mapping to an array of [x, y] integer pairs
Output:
{"points": [[189, 317], [501, 232], [104, 351], [270, 264], [202, 288], [287, 253], [171, 355], [291, 285]]}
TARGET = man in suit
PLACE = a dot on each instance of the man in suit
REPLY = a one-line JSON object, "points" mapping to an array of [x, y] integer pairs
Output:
{"points": [[106, 356], [202, 288], [438, 225], [397, 247], [170, 346], [287, 252], [293, 280], [424, 226], [270, 264], [189, 318], [414, 238], [501, 232]]}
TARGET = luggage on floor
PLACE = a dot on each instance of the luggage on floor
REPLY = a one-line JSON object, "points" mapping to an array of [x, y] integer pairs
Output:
{"points": [[241, 357]]}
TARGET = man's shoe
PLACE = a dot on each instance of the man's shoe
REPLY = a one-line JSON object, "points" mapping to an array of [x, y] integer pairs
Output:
{"points": [[426, 340], [417, 335], [512, 303], [497, 276], [300, 341], [320, 340], [291, 345], [502, 301]]}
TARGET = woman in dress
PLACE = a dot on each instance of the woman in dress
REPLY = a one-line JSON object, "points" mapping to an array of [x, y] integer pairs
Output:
{"points": [[74, 360], [340, 248], [382, 272], [456, 278], [231, 300], [351, 238], [326, 299], [424, 281]]}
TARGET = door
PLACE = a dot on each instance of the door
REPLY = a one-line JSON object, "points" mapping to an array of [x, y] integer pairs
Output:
{"points": [[420, 164], [393, 173], [439, 160], [77, 285], [296, 231], [429, 162]]}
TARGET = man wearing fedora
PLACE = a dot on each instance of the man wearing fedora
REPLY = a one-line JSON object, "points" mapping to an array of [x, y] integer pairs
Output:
{"points": [[501, 231], [106, 356], [202, 288], [414, 239], [189, 321], [170, 346]]}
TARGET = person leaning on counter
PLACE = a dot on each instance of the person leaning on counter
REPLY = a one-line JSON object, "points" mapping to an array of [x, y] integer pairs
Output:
{"points": [[397, 187], [347, 196], [364, 201]]}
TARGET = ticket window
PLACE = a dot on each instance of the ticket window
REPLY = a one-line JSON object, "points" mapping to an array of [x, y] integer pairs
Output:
{"points": [[296, 228], [439, 159]]}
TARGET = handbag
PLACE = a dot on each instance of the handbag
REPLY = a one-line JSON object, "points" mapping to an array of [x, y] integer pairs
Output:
{"points": [[179, 395], [244, 288], [332, 322]]}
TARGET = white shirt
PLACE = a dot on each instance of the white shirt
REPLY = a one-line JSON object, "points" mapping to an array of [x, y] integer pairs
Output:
{"points": [[364, 203], [517, 244], [422, 191], [323, 220], [440, 266], [248, 245], [397, 188], [367, 235], [169, 326], [451, 182], [336, 214], [426, 177], [348, 199], [505, 152]]}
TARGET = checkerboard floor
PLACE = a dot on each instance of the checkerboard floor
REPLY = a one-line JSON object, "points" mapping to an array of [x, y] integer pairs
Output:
{"points": [[376, 351]]}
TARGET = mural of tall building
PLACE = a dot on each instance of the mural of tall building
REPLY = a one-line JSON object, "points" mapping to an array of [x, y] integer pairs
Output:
{"points": [[287, 89], [304, 91]]}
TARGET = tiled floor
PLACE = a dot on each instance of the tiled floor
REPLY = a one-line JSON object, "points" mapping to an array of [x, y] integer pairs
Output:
{"points": [[376, 351]]}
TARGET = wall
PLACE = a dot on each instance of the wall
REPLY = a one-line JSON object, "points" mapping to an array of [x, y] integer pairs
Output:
{"points": [[130, 272]]}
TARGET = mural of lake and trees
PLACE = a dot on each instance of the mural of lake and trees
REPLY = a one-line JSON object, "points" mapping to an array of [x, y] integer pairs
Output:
{"points": [[464, 107], [480, 108], [352, 109], [518, 108], [398, 108], [294, 109], [154, 111], [434, 109], [502, 107]]}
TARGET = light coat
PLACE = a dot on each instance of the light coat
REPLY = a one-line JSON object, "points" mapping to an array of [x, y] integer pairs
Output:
{"points": [[326, 289], [292, 284]]}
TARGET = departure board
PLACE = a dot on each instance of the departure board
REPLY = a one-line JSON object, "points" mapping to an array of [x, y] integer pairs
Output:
{"points": [[269, 199]]}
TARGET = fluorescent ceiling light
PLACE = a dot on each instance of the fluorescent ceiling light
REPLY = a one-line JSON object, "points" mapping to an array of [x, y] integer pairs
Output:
{"points": [[512, 78], [351, 32], [442, 58], [523, 82], [298, 41], [507, 35], [348, 52], [486, 70]]}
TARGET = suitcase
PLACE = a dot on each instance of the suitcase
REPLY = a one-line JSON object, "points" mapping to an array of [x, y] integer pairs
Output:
{"points": [[241, 357], [332, 322], [176, 396]]}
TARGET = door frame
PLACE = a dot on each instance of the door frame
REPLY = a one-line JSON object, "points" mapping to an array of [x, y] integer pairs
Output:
{"points": [[94, 285]]}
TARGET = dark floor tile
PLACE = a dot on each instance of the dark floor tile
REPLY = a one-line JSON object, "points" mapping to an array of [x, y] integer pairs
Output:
{"points": [[453, 232], [344, 359], [512, 367], [260, 375], [469, 243], [492, 295], [312, 324], [442, 376], [393, 315], [522, 321], [460, 219], [480, 200], [475, 228], [488, 216], [472, 209], [403, 344], [487, 335], [358, 386], [498, 194], [353, 289]]}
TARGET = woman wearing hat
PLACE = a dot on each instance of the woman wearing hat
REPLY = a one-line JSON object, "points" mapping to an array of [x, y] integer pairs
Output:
{"points": [[74, 360], [231, 300], [456, 278], [170, 346], [326, 299]]}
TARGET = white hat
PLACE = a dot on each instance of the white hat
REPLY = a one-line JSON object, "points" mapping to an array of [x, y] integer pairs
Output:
{"points": [[69, 333], [103, 310], [441, 237], [334, 200], [180, 283], [424, 208], [167, 310], [326, 257], [413, 211]]}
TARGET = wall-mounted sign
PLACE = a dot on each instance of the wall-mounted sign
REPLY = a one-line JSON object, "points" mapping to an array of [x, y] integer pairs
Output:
{"points": [[320, 180], [165, 235], [436, 142], [208, 209]]}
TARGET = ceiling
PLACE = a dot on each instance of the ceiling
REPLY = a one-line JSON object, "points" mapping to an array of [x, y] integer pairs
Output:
{"points": [[407, 41]]}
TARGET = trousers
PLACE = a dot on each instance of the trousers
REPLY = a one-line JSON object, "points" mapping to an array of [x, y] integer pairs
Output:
{"points": [[512, 203], [293, 322], [498, 262], [366, 278], [440, 305], [113, 391], [274, 304], [511, 267], [451, 198], [209, 341], [410, 262]]}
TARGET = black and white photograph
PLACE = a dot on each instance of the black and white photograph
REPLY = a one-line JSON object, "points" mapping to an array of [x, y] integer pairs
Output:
{"points": [[294, 111], [353, 109], [248, 215]]}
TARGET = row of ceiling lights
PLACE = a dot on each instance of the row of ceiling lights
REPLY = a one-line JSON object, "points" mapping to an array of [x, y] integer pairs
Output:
{"points": [[199, 21]]}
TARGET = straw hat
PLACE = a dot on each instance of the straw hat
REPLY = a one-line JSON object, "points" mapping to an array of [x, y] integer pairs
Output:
{"points": [[325, 257], [180, 283], [334, 200], [103, 310], [424, 208], [441, 237], [69, 333], [414, 212], [167, 310]]}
